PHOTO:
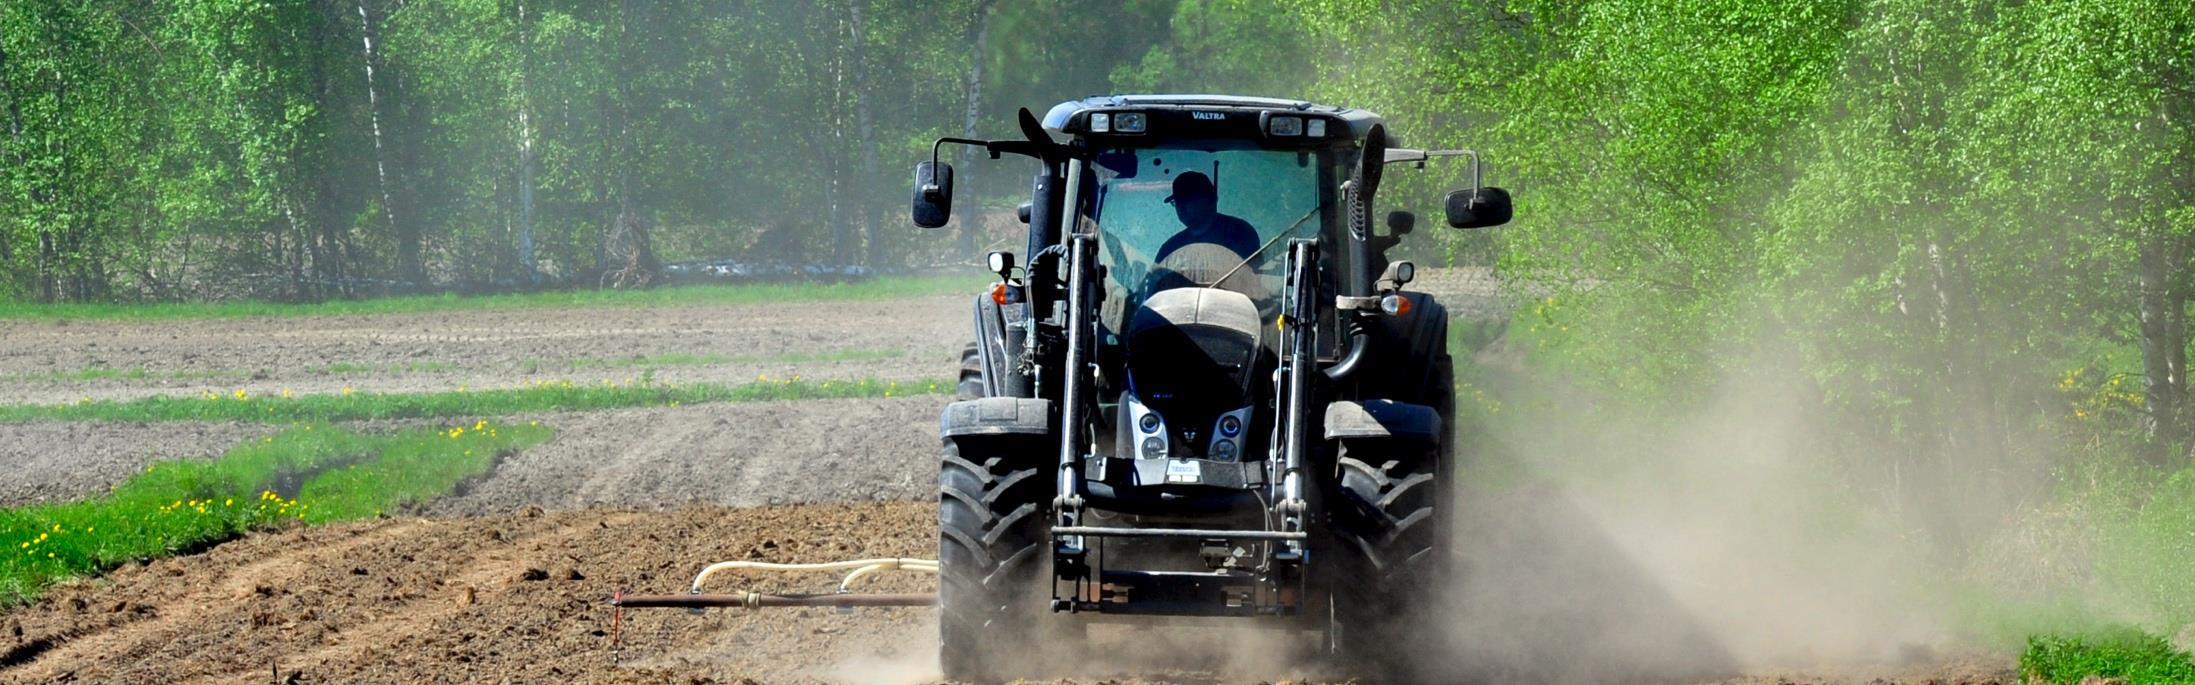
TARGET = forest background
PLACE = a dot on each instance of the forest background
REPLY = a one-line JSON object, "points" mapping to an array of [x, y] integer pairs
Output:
{"points": [[1957, 236]]}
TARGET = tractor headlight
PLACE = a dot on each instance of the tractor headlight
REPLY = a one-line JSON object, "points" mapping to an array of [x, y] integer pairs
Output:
{"points": [[1153, 427], [1284, 127], [1315, 128], [1101, 122], [1225, 450], [1227, 435], [1128, 122]]}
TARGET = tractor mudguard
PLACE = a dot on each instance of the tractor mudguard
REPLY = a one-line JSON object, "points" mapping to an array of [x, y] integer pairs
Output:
{"points": [[1000, 334], [995, 416], [1382, 420]]}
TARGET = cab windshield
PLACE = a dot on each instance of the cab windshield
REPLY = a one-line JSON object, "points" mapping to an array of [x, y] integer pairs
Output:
{"points": [[1203, 213]]}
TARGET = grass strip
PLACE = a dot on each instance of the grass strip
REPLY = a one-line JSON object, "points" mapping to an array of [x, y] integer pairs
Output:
{"points": [[2135, 657], [178, 506], [537, 397], [416, 467], [691, 359], [888, 287]]}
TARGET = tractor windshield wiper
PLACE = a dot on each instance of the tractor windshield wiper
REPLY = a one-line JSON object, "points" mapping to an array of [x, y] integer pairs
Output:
{"points": [[1268, 243]]}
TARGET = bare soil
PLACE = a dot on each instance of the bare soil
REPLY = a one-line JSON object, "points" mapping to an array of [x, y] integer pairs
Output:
{"points": [[736, 454], [57, 461], [42, 361], [513, 598]]}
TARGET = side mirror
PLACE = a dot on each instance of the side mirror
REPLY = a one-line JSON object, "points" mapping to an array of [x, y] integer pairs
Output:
{"points": [[1489, 206], [1021, 211], [1399, 223], [933, 204]]}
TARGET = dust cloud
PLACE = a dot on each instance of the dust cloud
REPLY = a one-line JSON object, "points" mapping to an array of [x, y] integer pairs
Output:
{"points": [[1600, 548]]}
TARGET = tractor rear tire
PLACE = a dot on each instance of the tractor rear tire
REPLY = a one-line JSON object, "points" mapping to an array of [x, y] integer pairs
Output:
{"points": [[993, 504], [971, 375], [1389, 519]]}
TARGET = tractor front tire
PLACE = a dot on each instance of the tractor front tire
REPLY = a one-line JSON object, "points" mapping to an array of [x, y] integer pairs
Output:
{"points": [[993, 503], [1389, 521]]}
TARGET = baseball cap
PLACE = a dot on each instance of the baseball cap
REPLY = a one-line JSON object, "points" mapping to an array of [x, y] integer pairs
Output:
{"points": [[1192, 183]]}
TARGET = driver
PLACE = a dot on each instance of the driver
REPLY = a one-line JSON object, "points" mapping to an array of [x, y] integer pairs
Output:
{"points": [[1196, 203]]}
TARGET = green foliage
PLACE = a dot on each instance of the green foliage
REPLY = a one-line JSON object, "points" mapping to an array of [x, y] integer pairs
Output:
{"points": [[312, 472], [2149, 557], [2135, 657]]}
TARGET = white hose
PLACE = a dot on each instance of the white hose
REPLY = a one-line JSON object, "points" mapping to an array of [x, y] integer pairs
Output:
{"points": [[856, 568]]}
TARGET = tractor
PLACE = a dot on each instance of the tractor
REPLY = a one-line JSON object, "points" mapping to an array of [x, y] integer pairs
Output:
{"points": [[1205, 391]]}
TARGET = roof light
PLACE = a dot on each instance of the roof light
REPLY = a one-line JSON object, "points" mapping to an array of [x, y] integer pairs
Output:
{"points": [[1101, 122], [1285, 126], [1315, 128], [1129, 122]]}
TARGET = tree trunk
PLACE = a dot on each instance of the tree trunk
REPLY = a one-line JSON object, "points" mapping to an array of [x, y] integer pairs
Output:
{"points": [[526, 160], [865, 185], [979, 27], [2163, 343], [410, 270], [834, 164]]}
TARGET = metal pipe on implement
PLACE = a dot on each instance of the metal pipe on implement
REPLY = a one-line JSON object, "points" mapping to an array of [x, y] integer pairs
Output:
{"points": [[752, 600]]}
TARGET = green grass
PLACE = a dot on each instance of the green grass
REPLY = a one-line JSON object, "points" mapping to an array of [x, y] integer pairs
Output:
{"points": [[689, 359], [877, 289], [2139, 658], [101, 373], [315, 473], [556, 396], [347, 368]]}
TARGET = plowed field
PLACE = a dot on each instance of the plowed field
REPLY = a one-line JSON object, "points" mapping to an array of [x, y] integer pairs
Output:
{"points": [[507, 579]]}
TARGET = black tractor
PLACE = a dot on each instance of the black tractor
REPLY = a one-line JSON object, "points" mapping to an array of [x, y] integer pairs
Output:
{"points": [[1206, 393]]}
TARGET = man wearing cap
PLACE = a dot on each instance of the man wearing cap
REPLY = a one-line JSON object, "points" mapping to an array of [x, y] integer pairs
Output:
{"points": [[1196, 203]]}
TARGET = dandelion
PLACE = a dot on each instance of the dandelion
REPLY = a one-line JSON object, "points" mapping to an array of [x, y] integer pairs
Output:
{"points": [[286, 394], [347, 391], [241, 395]]}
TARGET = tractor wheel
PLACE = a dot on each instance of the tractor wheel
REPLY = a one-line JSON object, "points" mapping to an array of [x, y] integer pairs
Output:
{"points": [[971, 374], [993, 500], [1389, 513]]}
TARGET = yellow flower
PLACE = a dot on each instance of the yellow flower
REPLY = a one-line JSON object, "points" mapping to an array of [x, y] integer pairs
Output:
{"points": [[230, 502], [240, 394], [286, 394], [347, 391]]}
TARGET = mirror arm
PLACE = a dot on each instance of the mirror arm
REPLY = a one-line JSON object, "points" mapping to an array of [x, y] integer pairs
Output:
{"points": [[1419, 157]]}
